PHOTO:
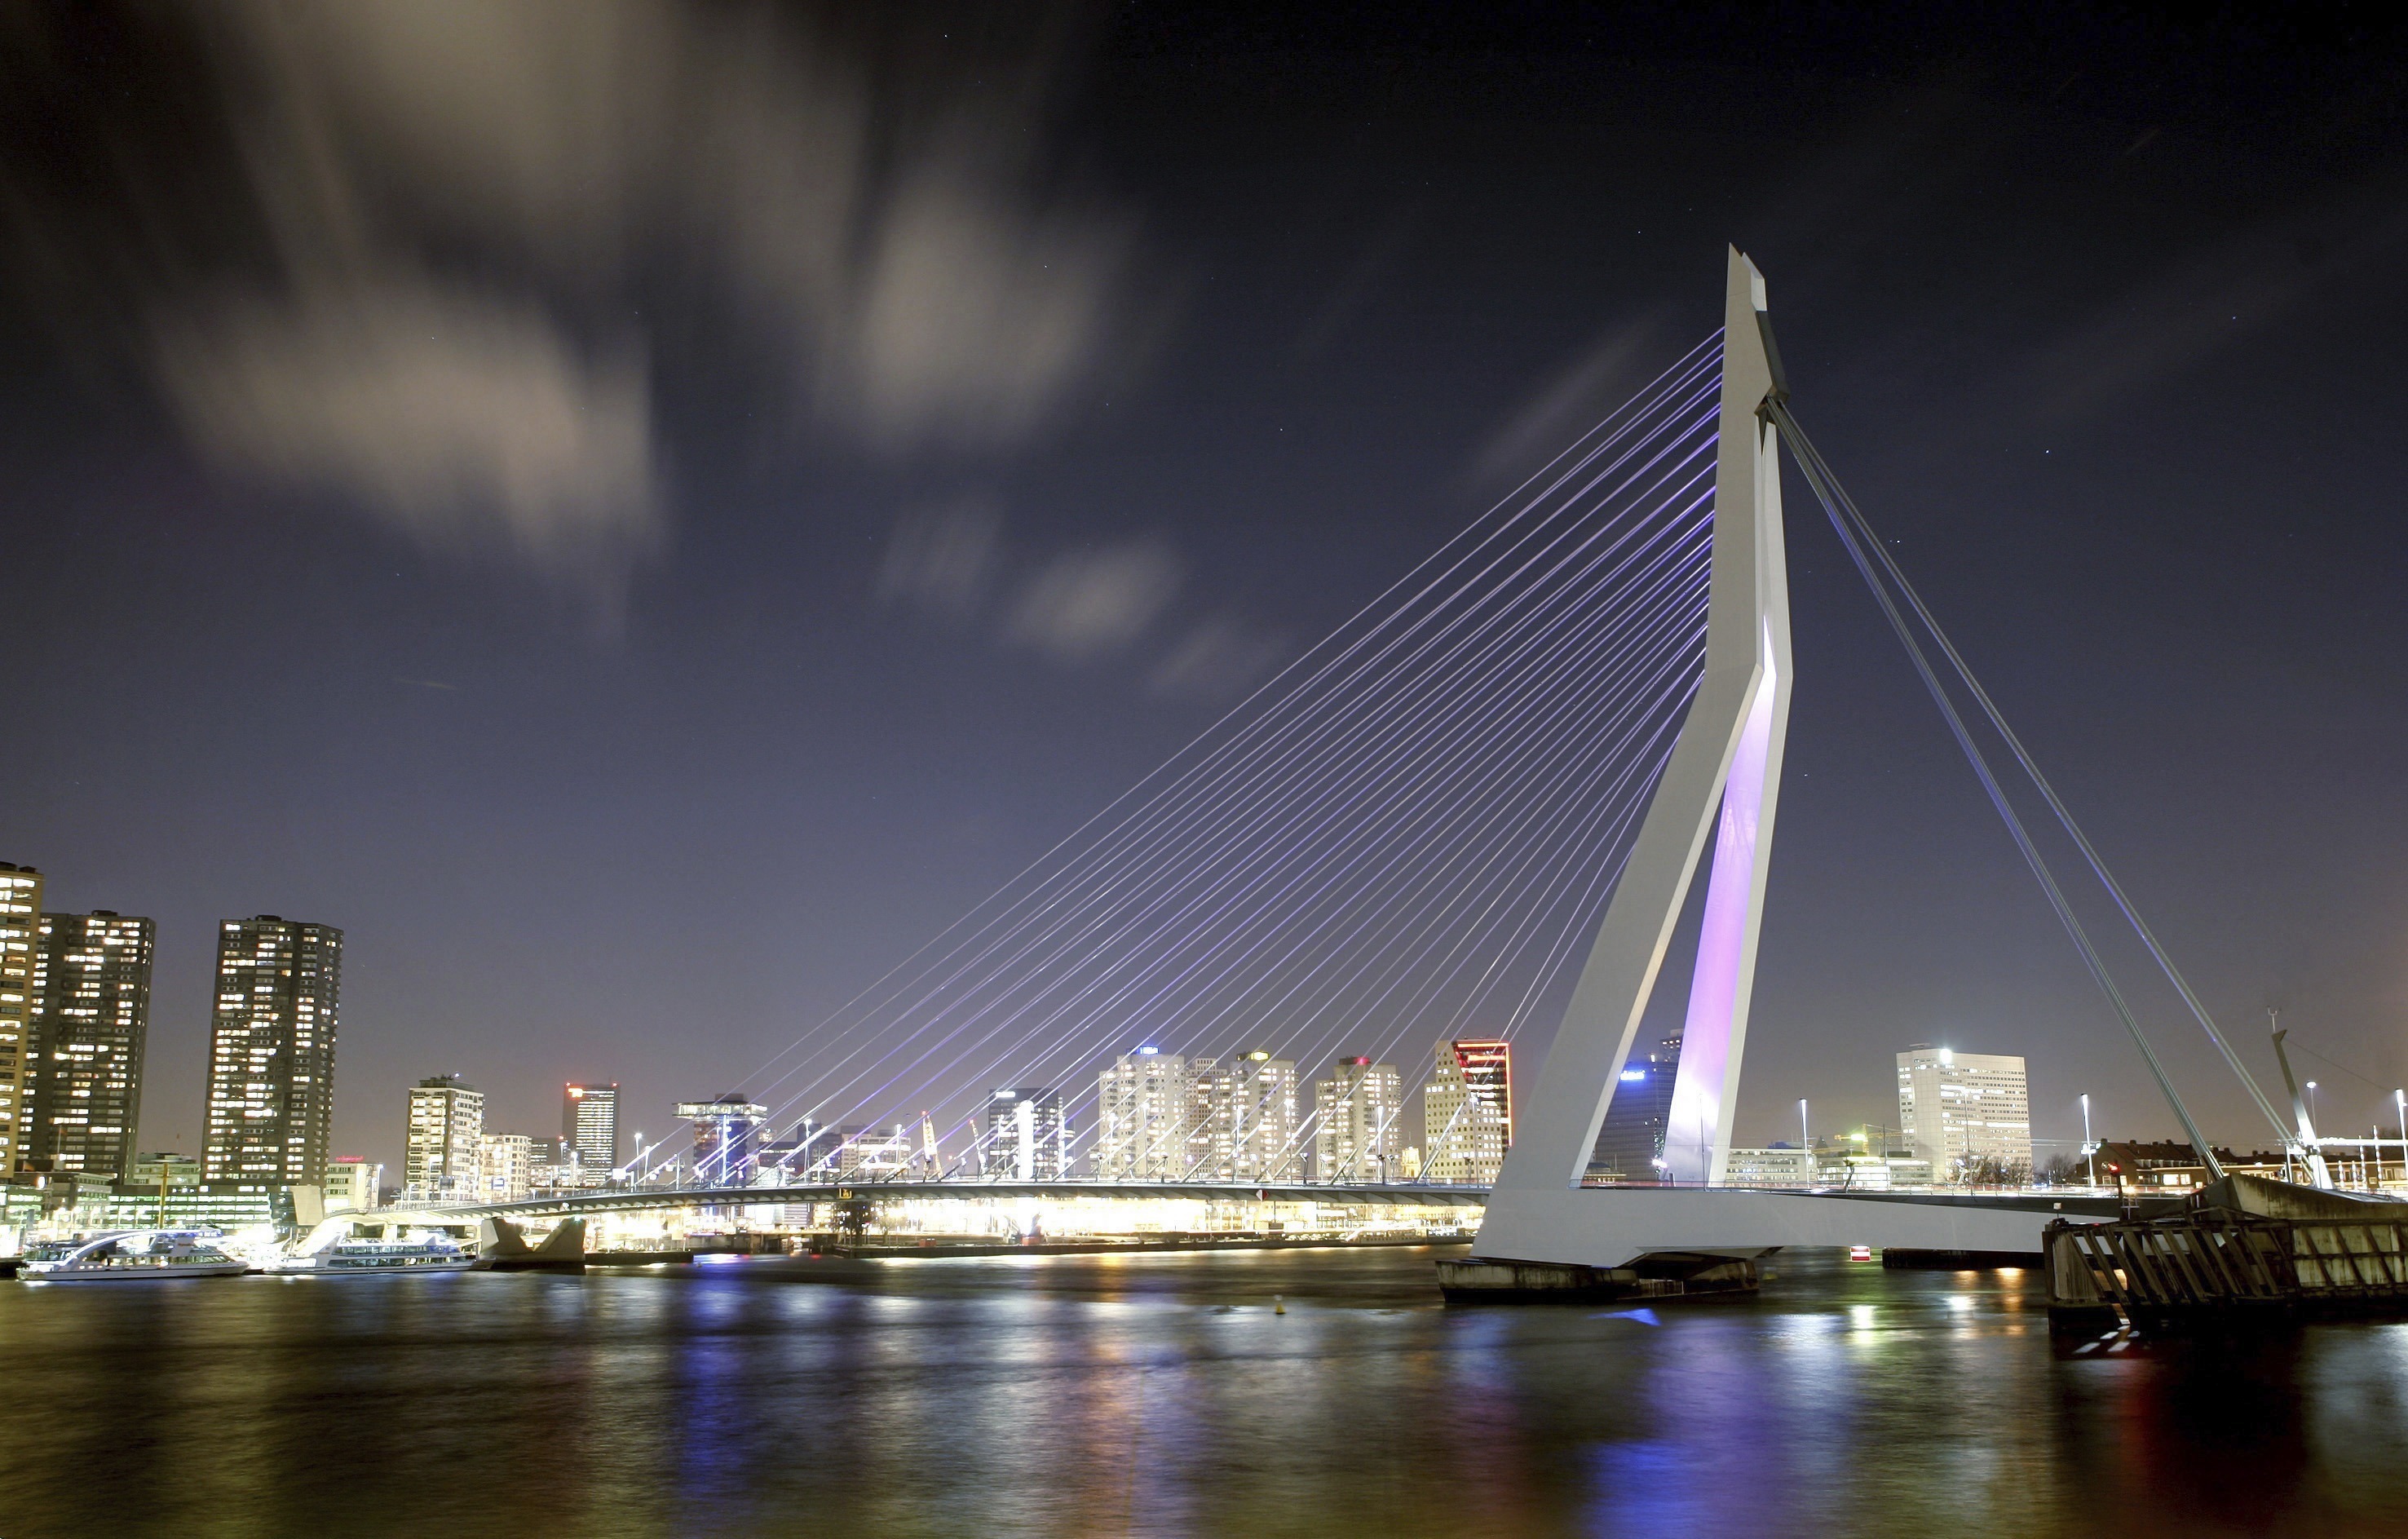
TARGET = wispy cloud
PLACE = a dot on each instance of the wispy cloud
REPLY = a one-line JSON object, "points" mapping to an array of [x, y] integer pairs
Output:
{"points": [[1219, 658], [457, 223], [1082, 604], [942, 559]]}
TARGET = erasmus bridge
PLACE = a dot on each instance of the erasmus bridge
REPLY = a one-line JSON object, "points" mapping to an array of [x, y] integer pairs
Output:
{"points": [[1479, 803]]}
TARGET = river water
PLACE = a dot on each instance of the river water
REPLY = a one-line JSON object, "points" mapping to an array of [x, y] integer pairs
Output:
{"points": [[1162, 1395]]}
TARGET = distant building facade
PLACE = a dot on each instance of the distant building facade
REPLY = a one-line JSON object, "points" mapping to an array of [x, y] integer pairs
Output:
{"points": [[271, 1073], [1025, 1138], [504, 1167], [91, 1017], [1968, 1115], [353, 1185], [1145, 1118], [726, 1135], [443, 1157], [589, 1121], [1464, 1127], [1631, 1141], [1358, 1110], [1247, 1119], [21, 922]]}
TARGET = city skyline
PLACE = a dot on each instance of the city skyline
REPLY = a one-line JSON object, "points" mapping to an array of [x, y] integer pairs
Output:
{"points": [[832, 683]]}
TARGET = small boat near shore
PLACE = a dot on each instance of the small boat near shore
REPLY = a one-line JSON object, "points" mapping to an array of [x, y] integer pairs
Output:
{"points": [[131, 1255]]}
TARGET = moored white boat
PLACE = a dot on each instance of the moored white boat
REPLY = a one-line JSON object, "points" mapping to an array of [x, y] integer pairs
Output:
{"points": [[131, 1255], [373, 1250]]}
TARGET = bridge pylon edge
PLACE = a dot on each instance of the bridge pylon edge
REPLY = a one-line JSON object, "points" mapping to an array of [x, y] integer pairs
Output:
{"points": [[1727, 760]]}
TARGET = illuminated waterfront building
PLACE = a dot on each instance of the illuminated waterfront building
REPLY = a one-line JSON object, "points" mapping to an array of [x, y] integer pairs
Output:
{"points": [[1245, 1114], [271, 1073], [1967, 1114], [1631, 1141], [1777, 1166], [1145, 1118], [91, 1012], [1487, 1069], [727, 1132], [353, 1184], [1464, 1133], [504, 1167], [20, 919], [589, 1122], [443, 1158], [1025, 1137], [1358, 1112]]}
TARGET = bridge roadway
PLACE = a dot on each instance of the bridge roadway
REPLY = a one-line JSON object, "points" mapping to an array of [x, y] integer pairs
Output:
{"points": [[643, 1200]]}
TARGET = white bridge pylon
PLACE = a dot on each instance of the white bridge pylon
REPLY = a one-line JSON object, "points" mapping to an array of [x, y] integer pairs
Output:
{"points": [[1728, 761], [1728, 757]]}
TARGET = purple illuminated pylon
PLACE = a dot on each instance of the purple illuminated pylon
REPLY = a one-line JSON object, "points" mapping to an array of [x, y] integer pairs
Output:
{"points": [[1717, 1015]]}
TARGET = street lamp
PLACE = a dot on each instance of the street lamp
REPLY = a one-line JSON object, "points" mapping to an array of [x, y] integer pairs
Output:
{"points": [[2399, 1100], [2311, 1111], [2089, 1150]]}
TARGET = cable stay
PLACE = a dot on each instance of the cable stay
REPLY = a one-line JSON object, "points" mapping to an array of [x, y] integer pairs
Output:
{"points": [[1882, 574]]}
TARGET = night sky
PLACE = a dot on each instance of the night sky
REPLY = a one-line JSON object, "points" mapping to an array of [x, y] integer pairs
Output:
{"points": [[642, 516]]}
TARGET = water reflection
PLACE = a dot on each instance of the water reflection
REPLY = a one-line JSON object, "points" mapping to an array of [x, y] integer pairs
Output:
{"points": [[1161, 1395]]}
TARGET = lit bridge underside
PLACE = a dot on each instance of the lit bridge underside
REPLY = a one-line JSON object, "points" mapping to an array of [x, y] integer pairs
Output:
{"points": [[1396, 1195]]}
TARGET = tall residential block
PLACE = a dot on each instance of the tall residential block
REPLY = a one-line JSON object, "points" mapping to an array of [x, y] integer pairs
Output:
{"points": [[1967, 1114], [1464, 1127], [21, 921], [1358, 1108], [271, 1097], [1145, 1118], [1247, 1118], [444, 1155], [589, 1121], [84, 1082]]}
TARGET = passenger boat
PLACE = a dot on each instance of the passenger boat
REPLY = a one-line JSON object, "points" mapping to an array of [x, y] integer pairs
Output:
{"points": [[390, 1248], [131, 1255]]}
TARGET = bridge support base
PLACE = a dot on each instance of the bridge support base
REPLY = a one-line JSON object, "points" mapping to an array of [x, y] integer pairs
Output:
{"points": [[1648, 1277]]}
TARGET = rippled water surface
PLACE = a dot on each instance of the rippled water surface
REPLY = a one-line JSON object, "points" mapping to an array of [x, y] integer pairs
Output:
{"points": [[1162, 1395]]}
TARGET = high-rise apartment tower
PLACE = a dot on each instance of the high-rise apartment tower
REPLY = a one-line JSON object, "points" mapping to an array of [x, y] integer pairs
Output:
{"points": [[84, 1079], [589, 1121], [271, 1098], [21, 921], [444, 1158], [1360, 1134]]}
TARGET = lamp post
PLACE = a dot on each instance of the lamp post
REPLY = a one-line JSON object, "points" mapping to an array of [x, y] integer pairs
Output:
{"points": [[2399, 1100], [2089, 1150], [2311, 1103]]}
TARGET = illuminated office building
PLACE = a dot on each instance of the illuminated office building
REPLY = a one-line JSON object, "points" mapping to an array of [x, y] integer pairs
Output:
{"points": [[1464, 1127], [271, 1073], [21, 921], [444, 1156], [726, 1134], [1358, 1110], [1967, 1114], [1631, 1140], [91, 1012], [1026, 1139], [589, 1121]]}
